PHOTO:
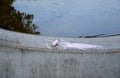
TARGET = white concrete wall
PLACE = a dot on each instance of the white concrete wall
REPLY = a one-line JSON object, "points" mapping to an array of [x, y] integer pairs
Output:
{"points": [[27, 56]]}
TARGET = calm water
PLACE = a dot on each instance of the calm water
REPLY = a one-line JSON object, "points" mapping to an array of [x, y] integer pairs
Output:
{"points": [[72, 18]]}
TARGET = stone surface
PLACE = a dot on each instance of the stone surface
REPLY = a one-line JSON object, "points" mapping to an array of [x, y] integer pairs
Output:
{"points": [[27, 56]]}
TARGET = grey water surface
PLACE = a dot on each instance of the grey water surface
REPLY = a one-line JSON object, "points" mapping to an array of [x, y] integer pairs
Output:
{"points": [[73, 18]]}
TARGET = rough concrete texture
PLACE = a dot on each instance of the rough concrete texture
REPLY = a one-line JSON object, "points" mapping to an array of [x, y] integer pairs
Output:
{"points": [[32, 56]]}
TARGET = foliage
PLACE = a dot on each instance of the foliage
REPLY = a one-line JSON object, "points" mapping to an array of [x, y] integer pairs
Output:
{"points": [[18, 21]]}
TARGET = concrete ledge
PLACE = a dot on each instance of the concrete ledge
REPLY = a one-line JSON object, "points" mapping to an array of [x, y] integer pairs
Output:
{"points": [[32, 56], [35, 42]]}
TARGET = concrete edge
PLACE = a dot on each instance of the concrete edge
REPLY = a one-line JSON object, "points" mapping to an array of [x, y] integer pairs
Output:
{"points": [[22, 41]]}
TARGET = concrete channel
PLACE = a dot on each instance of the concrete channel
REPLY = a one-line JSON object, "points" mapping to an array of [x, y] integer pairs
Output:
{"points": [[33, 56]]}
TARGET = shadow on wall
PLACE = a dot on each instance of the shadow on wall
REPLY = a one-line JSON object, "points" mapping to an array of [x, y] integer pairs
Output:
{"points": [[15, 20]]}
